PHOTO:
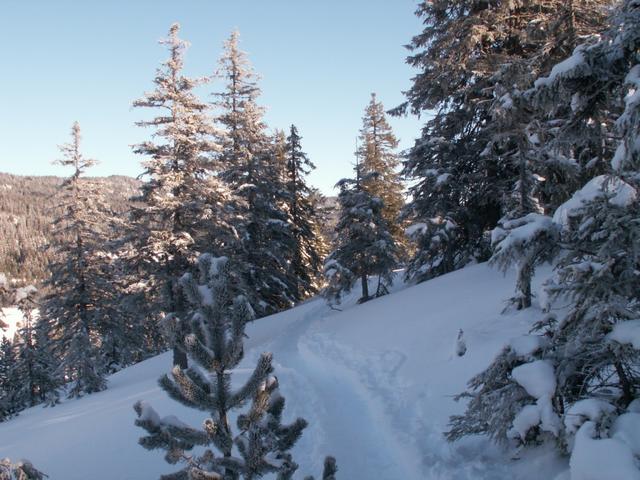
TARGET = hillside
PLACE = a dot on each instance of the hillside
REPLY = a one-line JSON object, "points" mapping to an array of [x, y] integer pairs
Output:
{"points": [[27, 208], [375, 381]]}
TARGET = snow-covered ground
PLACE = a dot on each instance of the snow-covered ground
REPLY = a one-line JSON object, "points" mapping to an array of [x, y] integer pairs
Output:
{"points": [[375, 381], [13, 319]]}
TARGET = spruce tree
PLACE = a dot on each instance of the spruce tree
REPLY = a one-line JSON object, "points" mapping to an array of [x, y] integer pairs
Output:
{"points": [[183, 208], [309, 248], [70, 311], [587, 346], [9, 383], [377, 152], [365, 246], [251, 168], [214, 345], [527, 242], [474, 60], [35, 365]]}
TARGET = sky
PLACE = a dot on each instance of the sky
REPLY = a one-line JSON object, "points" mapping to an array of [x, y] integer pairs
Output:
{"points": [[86, 61]]}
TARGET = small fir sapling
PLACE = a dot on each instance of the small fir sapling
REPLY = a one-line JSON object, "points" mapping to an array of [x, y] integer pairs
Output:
{"points": [[214, 345]]}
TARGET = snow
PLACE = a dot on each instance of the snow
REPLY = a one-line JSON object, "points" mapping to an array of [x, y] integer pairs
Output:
{"points": [[622, 195], [627, 332], [416, 228], [588, 409], [520, 231], [13, 318], [537, 378], [526, 419], [562, 68], [205, 294], [24, 292], [442, 178], [375, 381], [599, 459], [626, 428], [526, 345]]}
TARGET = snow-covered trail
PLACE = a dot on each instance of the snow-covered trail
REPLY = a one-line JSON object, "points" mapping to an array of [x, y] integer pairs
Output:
{"points": [[343, 420], [375, 382]]}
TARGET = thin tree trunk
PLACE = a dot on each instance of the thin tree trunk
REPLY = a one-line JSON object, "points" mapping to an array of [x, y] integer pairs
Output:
{"points": [[365, 288]]}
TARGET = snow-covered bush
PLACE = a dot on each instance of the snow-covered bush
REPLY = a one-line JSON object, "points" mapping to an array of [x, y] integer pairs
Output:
{"points": [[511, 399], [22, 470]]}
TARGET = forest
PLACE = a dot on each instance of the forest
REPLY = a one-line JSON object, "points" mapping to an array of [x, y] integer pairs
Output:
{"points": [[529, 155]]}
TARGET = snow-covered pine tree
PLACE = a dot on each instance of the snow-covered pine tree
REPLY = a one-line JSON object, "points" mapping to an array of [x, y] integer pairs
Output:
{"points": [[588, 358], [280, 152], [5, 294], [214, 345], [533, 138], [365, 246], [527, 242], [249, 165], [377, 153], [473, 57], [9, 383], [592, 347], [183, 208], [310, 247], [35, 364], [123, 338], [70, 311]]}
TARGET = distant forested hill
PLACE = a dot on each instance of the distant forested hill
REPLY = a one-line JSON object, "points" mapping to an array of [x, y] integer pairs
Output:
{"points": [[27, 207]]}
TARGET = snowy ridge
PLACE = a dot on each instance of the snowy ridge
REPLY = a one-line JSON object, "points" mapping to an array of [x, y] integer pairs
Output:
{"points": [[375, 381]]}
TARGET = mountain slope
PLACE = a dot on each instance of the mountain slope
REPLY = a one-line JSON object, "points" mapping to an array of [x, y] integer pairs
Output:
{"points": [[375, 382], [27, 209]]}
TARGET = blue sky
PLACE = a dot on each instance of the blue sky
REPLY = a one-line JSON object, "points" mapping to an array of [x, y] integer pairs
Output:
{"points": [[67, 60]]}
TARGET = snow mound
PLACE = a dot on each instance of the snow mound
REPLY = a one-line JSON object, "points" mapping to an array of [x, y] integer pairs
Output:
{"points": [[537, 378], [600, 459], [627, 332], [620, 194], [526, 345], [626, 428], [588, 409]]}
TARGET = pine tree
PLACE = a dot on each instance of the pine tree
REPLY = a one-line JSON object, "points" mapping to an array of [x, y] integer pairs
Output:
{"points": [[310, 248], [184, 208], [76, 288], [587, 348], [251, 168], [34, 365], [365, 246], [377, 153], [8, 380], [527, 242], [474, 60], [213, 342]]}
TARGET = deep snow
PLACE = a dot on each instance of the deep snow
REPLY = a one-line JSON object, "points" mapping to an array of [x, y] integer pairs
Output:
{"points": [[375, 381]]}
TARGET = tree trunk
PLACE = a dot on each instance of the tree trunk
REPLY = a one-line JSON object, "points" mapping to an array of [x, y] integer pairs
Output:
{"points": [[365, 288], [180, 358]]}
